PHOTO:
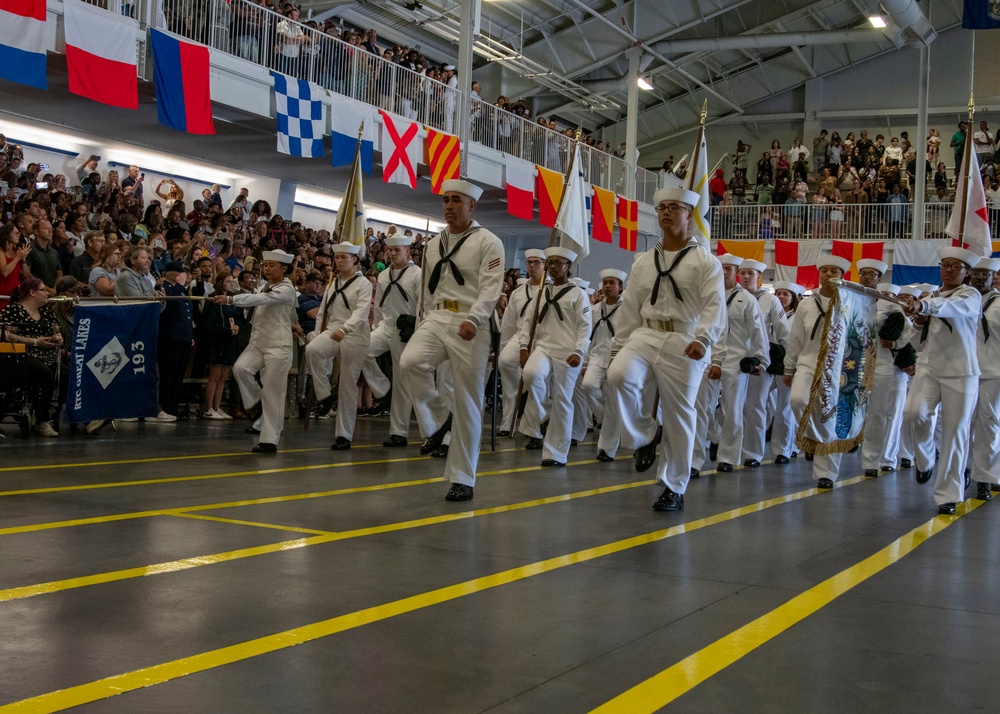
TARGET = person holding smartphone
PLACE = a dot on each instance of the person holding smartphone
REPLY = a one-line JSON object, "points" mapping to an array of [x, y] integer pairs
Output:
{"points": [[133, 183]]}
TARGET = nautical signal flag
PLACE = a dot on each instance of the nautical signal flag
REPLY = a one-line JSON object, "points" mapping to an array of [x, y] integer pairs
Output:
{"points": [[444, 157], [519, 175], [180, 73], [795, 261], [101, 54], [550, 188], [981, 15], [602, 209], [401, 149], [344, 126], [746, 249], [22, 42], [628, 223], [574, 211], [917, 261], [855, 251], [975, 234]]}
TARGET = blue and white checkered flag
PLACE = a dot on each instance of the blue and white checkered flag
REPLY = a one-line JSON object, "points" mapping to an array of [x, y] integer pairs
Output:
{"points": [[299, 110]]}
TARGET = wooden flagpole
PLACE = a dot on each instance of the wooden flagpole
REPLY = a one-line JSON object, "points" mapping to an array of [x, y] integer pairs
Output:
{"points": [[964, 189]]}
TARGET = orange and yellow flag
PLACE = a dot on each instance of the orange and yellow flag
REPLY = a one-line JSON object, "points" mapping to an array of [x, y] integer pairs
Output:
{"points": [[549, 191], [444, 157], [602, 208], [746, 249]]}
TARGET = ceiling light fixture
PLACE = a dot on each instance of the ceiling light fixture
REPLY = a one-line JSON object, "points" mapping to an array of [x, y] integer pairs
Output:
{"points": [[877, 21], [644, 84]]}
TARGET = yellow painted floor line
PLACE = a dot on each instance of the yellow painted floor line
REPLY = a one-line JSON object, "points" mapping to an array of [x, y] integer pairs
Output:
{"points": [[660, 690], [167, 671], [255, 524]]}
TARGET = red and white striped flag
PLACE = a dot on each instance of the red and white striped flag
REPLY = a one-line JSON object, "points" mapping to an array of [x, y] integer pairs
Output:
{"points": [[795, 261], [101, 54]]}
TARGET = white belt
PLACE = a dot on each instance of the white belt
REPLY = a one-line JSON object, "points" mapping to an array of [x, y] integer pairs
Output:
{"points": [[671, 326], [453, 306]]}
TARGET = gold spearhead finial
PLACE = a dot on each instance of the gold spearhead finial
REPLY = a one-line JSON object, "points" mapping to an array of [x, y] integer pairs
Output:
{"points": [[579, 132], [361, 129], [704, 112], [972, 104]]}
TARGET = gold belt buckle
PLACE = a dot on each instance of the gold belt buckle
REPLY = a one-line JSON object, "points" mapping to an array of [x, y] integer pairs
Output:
{"points": [[451, 305]]}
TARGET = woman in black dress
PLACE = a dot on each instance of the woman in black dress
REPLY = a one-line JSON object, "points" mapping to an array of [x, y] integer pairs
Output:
{"points": [[221, 330]]}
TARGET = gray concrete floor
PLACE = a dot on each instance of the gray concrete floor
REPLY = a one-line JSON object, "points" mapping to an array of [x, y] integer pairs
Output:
{"points": [[918, 636]]}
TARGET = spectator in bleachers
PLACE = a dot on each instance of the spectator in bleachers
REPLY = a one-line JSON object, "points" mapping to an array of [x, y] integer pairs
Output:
{"points": [[106, 269]]}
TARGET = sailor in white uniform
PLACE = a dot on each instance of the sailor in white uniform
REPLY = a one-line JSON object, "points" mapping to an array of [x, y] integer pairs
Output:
{"points": [[341, 329], [551, 368], [672, 313], [516, 315], [986, 421], [743, 355], [783, 429], [595, 381], [462, 280], [396, 298], [947, 375], [759, 386], [269, 352]]}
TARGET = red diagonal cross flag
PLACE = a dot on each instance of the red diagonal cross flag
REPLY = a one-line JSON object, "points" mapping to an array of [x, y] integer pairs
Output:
{"points": [[403, 148]]}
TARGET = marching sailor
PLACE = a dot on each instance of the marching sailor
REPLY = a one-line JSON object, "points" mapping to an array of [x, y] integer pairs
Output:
{"points": [[269, 352], [595, 381], [552, 366], [395, 319], [672, 313], [462, 280], [516, 315], [986, 421], [783, 429], [341, 329]]}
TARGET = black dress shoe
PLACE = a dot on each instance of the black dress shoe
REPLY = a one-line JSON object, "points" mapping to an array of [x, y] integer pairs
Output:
{"points": [[713, 452], [924, 476], [905, 464], [669, 501], [780, 459], [251, 430], [552, 463], [824, 483], [887, 469], [341, 444], [809, 457], [946, 509], [573, 442], [871, 473], [440, 452], [724, 468], [983, 492], [967, 478], [795, 454], [645, 456], [533, 443], [695, 473], [503, 433], [751, 463], [602, 455], [995, 487], [459, 492], [395, 440], [263, 448], [432, 442]]}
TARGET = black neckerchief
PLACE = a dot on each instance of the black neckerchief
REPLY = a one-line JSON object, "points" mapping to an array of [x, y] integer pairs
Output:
{"points": [[527, 300], [986, 306], [554, 302], [606, 319], [446, 260], [927, 325], [661, 273], [729, 300], [395, 282], [819, 320], [340, 291]]}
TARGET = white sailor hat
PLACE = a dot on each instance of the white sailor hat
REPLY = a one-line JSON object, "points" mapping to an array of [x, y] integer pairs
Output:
{"points": [[966, 256], [278, 256], [911, 290], [557, 252], [888, 288], [580, 283], [878, 265], [987, 264], [789, 286], [753, 265], [927, 287], [589, 291], [398, 241], [449, 68], [534, 253], [346, 247], [612, 273], [676, 194], [730, 259], [463, 187], [835, 260]]}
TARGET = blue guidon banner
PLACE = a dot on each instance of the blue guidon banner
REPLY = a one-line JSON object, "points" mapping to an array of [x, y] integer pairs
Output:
{"points": [[113, 364], [981, 15]]}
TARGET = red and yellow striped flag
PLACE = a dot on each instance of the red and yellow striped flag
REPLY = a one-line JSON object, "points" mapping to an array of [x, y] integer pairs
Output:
{"points": [[444, 157], [857, 250], [746, 249], [628, 223], [602, 208], [549, 191]]}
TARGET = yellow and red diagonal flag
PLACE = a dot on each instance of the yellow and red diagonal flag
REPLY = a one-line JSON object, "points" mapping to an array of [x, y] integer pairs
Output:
{"points": [[628, 223], [746, 249], [602, 208], [443, 157], [549, 190]]}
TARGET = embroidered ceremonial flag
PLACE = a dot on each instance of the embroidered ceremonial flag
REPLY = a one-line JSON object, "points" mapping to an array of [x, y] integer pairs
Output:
{"points": [[299, 108], [795, 261], [746, 249], [22, 42], [101, 54], [112, 373], [444, 155], [981, 15], [519, 176], [855, 250], [976, 236], [917, 261], [628, 223], [574, 210], [401, 149], [180, 74], [602, 213], [550, 187], [350, 225], [344, 125], [700, 225]]}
